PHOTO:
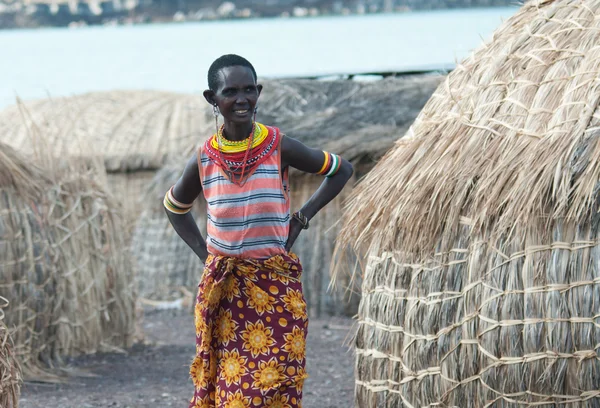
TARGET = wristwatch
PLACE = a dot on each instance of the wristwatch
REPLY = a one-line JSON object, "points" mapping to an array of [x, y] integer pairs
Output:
{"points": [[301, 218]]}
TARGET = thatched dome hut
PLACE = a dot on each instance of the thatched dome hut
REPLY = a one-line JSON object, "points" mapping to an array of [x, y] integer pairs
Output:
{"points": [[10, 371], [132, 132], [63, 264], [482, 282], [358, 120]]}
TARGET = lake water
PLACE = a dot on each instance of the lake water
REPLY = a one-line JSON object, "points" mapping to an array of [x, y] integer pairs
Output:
{"points": [[176, 57]]}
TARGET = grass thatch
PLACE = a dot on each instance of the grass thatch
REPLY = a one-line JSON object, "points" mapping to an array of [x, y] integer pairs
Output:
{"points": [[131, 132], [356, 119], [10, 371], [482, 284], [63, 263]]}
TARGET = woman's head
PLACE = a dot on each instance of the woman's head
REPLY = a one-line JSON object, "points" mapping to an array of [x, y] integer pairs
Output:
{"points": [[233, 88]]}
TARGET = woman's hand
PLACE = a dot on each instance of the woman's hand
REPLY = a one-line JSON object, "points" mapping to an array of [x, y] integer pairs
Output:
{"points": [[295, 230]]}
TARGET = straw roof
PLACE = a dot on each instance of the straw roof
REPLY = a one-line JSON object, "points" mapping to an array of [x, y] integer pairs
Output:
{"points": [[129, 130], [481, 231], [64, 266], [510, 135], [359, 120]]}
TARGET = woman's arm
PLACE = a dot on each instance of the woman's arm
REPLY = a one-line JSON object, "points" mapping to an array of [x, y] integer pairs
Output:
{"points": [[303, 158], [186, 190]]}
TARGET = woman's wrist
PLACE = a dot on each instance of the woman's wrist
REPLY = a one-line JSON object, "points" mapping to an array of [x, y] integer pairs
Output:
{"points": [[301, 218]]}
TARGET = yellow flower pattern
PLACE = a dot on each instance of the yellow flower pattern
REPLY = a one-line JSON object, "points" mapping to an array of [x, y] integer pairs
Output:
{"points": [[231, 288], [213, 296], [258, 299], [202, 403], [268, 375], [295, 344], [257, 338], [251, 322], [278, 401], [200, 373], [237, 400], [294, 302], [233, 367], [225, 327], [274, 276], [299, 379]]}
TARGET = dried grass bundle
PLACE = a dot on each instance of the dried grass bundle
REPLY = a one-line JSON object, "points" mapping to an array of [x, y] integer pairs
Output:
{"points": [[131, 132], [482, 285], [63, 263]]}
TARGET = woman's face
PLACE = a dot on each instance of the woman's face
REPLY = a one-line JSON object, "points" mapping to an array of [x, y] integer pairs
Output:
{"points": [[237, 94]]}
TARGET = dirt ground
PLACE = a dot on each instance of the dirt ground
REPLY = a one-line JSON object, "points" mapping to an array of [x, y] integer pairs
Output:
{"points": [[154, 374]]}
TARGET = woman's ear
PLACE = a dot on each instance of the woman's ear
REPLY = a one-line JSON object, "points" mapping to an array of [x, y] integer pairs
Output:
{"points": [[259, 87], [209, 95]]}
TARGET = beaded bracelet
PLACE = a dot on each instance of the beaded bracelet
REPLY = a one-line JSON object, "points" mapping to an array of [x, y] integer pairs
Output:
{"points": [[174, 206], [301, 218], [331, 165]]}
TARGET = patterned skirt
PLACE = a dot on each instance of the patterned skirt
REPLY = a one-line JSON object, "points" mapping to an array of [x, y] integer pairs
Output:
{"points": [[251, 327]]}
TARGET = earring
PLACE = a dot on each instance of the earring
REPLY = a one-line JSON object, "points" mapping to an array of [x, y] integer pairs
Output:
{"points": [[216, 115], [255, 111]]}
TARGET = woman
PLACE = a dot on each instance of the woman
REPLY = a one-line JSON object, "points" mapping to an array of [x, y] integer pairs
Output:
{"points": [[250, 314]]}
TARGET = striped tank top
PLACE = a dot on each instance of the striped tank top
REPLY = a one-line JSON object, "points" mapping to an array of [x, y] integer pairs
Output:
{"points": [[249, 221]]}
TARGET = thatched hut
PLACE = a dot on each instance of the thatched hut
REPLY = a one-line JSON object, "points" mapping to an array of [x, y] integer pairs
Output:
{"points": [[132, 132], [63, 264], [358, 120], [482, 281], [10, 371]]}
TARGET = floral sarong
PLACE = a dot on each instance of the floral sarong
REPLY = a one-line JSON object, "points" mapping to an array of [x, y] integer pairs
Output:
{"points": [[251, 327]]}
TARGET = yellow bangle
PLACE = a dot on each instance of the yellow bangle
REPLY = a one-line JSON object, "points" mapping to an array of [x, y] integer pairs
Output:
{"points": [[325, 163], [174, 206]]}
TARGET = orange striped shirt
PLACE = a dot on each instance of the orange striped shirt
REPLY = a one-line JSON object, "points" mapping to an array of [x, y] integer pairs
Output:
{"points": [[249, 221]]}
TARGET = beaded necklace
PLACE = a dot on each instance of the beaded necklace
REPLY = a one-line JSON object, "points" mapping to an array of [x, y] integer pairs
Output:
{"points": [[239, 159], [231, 169], [260, 133]]}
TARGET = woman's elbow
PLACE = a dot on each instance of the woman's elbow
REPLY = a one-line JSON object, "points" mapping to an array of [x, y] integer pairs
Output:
{"points": [[347, 169]]}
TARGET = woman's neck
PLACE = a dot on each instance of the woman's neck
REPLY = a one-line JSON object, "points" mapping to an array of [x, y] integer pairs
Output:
{"points": [[237, 131]]}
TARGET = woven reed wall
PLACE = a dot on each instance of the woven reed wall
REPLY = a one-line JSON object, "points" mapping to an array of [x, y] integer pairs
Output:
{"points": [[128, 130], [481, 226], [164, 262], [315, 248], [65, 269], [481, 324], [10, 371], [128, 190]]}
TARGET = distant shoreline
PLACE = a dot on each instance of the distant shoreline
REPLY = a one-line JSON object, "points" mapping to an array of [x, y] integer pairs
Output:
{"points": [[22, 21]]}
